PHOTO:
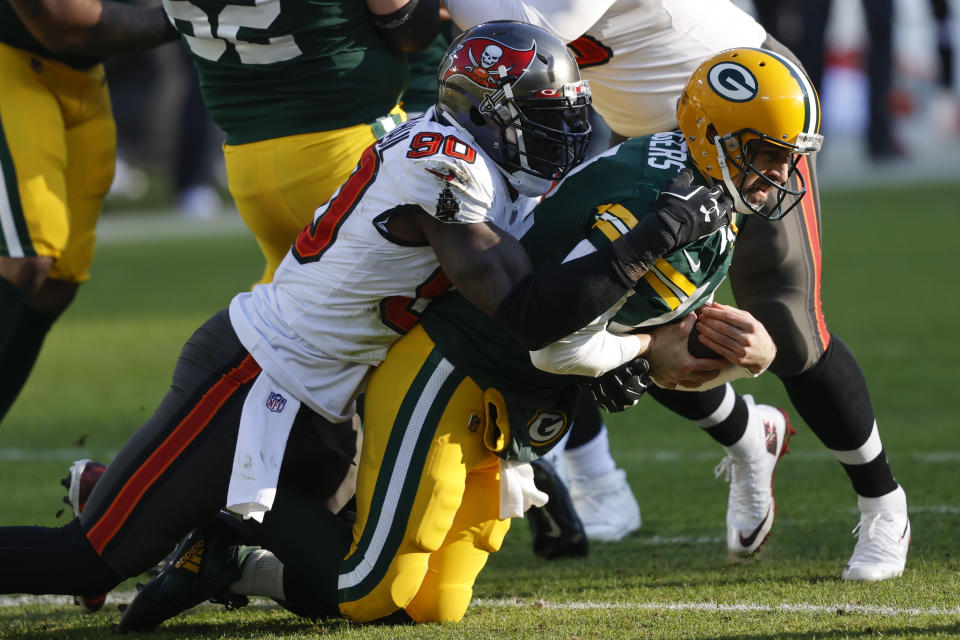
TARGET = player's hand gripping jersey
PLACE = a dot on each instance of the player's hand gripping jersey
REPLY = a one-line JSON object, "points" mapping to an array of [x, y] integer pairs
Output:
{"points": [[312, 327]]}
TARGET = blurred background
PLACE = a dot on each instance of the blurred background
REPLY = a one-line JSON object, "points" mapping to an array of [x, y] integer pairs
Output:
{"points": [[886, 71]]}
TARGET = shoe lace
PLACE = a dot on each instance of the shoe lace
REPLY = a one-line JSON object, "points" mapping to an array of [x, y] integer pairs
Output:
{"points": [[879, 538], [724, 467]]}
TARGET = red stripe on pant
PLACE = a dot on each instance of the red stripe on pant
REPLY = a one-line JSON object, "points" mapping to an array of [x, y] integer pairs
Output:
{"points": [[812, 226], [163, 456]]}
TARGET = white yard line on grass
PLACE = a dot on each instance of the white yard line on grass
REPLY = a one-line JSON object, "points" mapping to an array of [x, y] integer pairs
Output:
{"points": [[513, 603], [664, 456], [712, 606], [150, 226]]}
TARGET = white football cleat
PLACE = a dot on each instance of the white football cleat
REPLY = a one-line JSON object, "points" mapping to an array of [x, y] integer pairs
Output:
{"points": [[606, 506], [750, 504], [884, 537]]}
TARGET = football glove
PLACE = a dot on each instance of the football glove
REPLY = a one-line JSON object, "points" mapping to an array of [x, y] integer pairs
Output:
{"points": [[691, 212], [620, 388]]}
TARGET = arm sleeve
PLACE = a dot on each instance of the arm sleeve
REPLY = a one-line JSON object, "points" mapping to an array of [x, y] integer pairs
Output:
{"points": [[591, 351], [545, 307], [411, 28], [566, 19]]}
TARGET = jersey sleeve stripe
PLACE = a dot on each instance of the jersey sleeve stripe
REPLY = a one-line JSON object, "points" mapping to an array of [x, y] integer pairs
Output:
{"points": [[661, 289], [675, 276], [613, 220]]}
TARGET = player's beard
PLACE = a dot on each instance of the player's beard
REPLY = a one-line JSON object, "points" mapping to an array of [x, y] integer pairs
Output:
{"points": [[754, 197]]}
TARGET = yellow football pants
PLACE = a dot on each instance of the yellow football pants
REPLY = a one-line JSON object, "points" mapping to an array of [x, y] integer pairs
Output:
{"points": [[278, 183], [428, 491], [57, 152]]}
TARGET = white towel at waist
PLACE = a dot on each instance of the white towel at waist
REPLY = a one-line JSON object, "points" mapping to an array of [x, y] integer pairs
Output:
{"points": [[265, 424], [517, 490]]}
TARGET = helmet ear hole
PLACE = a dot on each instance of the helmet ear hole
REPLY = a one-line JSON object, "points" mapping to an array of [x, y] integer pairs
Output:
{"points": [[476, 117]]}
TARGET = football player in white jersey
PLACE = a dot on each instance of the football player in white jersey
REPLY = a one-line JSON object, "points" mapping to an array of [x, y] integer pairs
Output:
{"points": [[637, 55], [274, 380]]}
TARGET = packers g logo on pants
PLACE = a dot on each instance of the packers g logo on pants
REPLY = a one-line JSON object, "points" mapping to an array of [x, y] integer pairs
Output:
{"points": [[546, 426]]}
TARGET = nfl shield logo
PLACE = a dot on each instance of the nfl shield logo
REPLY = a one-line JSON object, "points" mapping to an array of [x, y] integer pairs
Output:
{"points": [[276, 402]]}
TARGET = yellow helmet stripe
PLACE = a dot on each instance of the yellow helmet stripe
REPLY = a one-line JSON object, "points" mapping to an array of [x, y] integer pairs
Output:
{"points": [[811, 121]]}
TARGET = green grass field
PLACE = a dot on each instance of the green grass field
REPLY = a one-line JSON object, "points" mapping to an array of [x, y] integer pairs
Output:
{"points": [[887, 291]]}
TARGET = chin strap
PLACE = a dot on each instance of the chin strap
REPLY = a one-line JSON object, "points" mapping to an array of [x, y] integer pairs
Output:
{"points": [[738, 203]]}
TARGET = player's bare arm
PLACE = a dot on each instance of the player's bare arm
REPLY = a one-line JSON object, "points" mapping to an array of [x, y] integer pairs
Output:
{"points": [[94, 27], [482, 261], [737, 336]]}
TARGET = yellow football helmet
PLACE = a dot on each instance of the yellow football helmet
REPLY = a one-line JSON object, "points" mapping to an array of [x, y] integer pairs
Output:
{"points": [[741, 97]]}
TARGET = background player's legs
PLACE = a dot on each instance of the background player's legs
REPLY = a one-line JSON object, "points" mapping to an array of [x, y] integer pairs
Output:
{"points": [[599, 490], [69, 139], [277, 184]]}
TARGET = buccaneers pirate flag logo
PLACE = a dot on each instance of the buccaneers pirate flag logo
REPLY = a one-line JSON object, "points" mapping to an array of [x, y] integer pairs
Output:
{"points": [[489, 63]]}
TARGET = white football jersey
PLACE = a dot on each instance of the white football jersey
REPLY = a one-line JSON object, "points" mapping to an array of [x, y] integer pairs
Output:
{"points": [[637, 54], [348, 288]]}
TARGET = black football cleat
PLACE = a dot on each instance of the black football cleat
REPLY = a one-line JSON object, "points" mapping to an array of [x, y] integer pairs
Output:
{"points": [[79, 483], [555, 527], [202, 567]]}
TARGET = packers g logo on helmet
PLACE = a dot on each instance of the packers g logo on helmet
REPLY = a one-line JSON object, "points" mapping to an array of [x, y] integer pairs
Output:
{"points": [[733, 81]]}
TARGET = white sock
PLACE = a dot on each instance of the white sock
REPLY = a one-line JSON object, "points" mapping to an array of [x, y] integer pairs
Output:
{"points": [[591, 459], [752, 442], [722, 412], [896, 500], [261, 575]]}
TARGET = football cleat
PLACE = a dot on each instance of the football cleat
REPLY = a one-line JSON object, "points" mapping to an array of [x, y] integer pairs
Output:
{"points": [[204, 565], [556, 530], [882, 544], [606, 506], [79, 483], [750, 504]]}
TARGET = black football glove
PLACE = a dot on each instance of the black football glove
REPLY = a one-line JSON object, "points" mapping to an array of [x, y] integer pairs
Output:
{"points": [[691, 212], [680, 215], [620, 388]]}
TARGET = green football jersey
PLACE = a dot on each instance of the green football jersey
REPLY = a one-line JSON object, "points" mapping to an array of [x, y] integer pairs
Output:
{"points": [[285, 67], [596, 204], [14, 33]]}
